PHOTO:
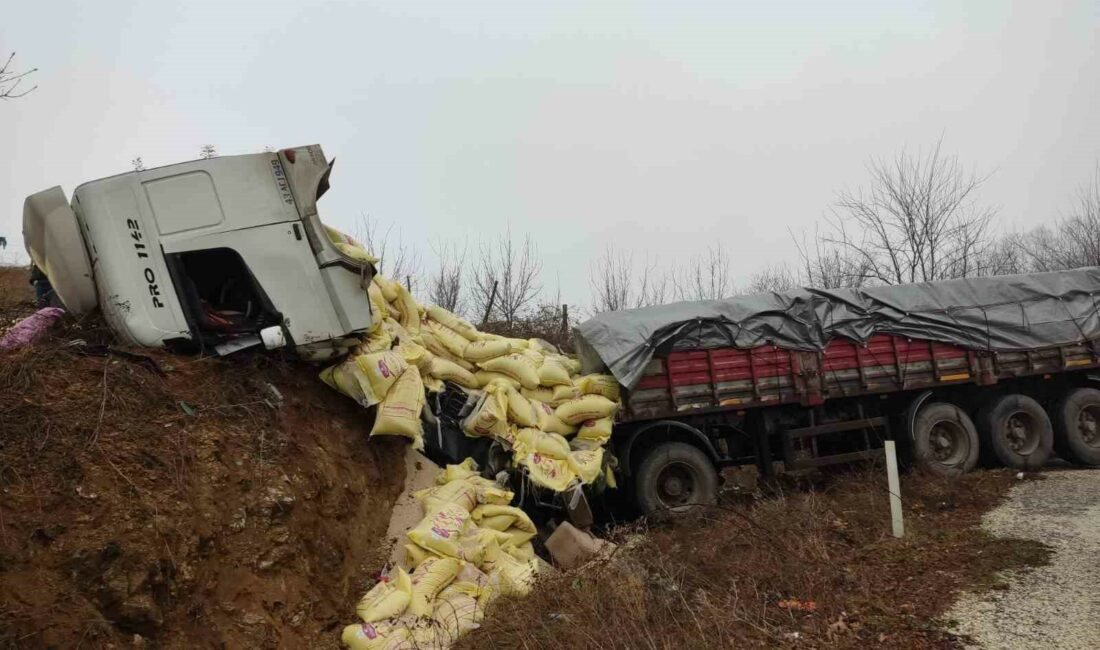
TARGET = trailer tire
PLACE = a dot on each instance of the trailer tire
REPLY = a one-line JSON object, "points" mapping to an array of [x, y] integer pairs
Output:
{"points": [[1016, 431], [944, 439], [1077, 427], [673, 478]]}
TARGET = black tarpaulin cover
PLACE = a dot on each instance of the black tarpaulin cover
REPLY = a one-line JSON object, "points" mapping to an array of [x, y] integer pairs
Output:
{"points": [[1011, 312]]}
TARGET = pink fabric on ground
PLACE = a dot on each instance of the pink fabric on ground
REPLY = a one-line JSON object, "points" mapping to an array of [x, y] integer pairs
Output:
{"points": [[31, 328]]}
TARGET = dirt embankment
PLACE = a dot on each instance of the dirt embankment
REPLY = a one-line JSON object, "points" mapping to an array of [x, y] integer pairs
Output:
{"points": [[223, 503]]}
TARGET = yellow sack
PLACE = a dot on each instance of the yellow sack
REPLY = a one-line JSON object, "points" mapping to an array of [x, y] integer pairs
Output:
{"points": [[605, 385], [449, 319], [553, 373], [542, 345], [573, 365], [465, 469], [461, 492], [452, 340], [397, 332], [552, 473], [379, 340], [484, 378], [520, 344], [544, 395], [414, 555], [387, 599], [378, 302], [520, 409], [440, 531], [433, 385], [430, 577], [489, 418], [589, 407], [476, 542], [598, 430], [586, 463], [506, 519], [387, 286], [407, 309], [517, 367], [524, 552], [432, 342], [456, 611], [346, 378], [551, 423], [530, 440], [382, 370], [563, 394], [399, 412], [356, 253], [415, 354], [375, 636], [536, 357], [450, 371], [478, 351], [516, 577]]}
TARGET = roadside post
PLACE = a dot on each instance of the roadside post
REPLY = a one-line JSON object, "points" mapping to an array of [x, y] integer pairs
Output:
{"points": [[894, 486]]}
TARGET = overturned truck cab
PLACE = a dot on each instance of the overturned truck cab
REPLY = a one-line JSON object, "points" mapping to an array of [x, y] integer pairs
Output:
{"points": [[219, 255]]}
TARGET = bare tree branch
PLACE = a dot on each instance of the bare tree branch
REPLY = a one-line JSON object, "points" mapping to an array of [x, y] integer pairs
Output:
{"points": [[446, 287], [917, 221], [10, 80], [397, 260], [515, 269]]}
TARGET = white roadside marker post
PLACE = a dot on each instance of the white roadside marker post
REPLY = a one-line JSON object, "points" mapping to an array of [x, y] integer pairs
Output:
{"points": [[894, 485]]}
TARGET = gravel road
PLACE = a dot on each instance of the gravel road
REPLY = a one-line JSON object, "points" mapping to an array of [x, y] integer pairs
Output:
{"points": [[1055, 606]]}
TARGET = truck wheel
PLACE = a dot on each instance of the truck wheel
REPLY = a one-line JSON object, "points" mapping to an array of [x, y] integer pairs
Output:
{"points": [[945, 440], [1077, 427], [674, 476], [1016, 431]]}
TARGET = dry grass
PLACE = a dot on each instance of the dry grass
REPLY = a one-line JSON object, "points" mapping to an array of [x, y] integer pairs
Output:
{"points": [[806, 569]]}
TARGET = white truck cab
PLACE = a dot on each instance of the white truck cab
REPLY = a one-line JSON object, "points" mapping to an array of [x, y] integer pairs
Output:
{"points": [[210, 255]]}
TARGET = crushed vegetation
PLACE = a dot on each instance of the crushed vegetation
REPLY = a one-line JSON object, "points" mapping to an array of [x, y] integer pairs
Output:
{"points": [[802, 568]]}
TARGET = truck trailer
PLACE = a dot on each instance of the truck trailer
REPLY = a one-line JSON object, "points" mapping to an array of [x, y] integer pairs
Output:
{"points": [[997, 370]]}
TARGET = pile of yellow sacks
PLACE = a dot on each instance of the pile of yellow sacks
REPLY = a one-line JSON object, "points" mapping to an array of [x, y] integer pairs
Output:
{"points": [[531, 397], [470, 548]]}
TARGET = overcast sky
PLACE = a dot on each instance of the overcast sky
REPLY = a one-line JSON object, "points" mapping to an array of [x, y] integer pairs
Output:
{"points": [[658, 127]]}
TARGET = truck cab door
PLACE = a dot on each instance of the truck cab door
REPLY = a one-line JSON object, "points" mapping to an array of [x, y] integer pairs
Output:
{"points": [[52, 236]]}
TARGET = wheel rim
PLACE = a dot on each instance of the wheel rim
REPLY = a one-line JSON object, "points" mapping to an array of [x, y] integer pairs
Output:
{"points": [[1020, 432], [676, 485], [948, 442], [1087, 426]]}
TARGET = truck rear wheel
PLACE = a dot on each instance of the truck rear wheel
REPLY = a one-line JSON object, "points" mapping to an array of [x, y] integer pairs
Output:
{"points": [[673, 477], [1077, 427], [945, 440], [1016, 431]]}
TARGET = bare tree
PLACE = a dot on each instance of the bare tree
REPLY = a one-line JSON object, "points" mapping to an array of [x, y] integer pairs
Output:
{"points": [[611, 278], [445, 287], [827, 266], [506, 284], [10, 80], [138, 164], [778, 277], [208, 151], [617, 282], [397, 260], [706, 277], [918, 221], [1075, 240]]}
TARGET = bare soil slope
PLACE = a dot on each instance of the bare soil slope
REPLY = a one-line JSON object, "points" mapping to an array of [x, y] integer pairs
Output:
{"points": [[194, 508]]}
